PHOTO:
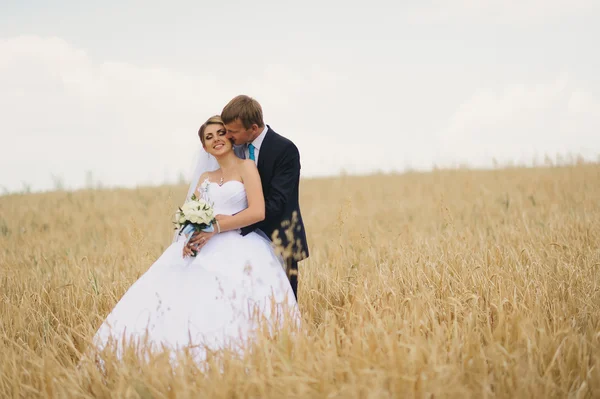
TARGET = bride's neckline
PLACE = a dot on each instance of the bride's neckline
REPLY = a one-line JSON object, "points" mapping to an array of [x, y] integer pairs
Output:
{"points": [[224, 183]]}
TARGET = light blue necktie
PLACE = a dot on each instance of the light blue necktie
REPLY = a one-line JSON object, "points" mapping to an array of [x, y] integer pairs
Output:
{"points": [[251, 152]]}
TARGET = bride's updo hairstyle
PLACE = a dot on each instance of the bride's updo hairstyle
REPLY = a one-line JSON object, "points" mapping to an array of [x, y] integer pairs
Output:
{"points": [[213, 120]]}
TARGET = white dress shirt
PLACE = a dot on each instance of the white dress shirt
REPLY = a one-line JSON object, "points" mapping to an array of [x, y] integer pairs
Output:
{"points": [[256, 143]]}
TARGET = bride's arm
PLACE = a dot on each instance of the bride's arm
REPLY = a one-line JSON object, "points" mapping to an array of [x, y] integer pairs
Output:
{"points": [[256, 202], [253, 214]]}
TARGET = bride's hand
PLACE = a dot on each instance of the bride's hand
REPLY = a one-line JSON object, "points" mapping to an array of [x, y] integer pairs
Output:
{"points": [[187, 251], [199, 239]]}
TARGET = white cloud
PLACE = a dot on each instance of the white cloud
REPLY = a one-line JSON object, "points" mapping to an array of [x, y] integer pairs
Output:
{"points": [[520, 122], [582, 102], [65, 114]]}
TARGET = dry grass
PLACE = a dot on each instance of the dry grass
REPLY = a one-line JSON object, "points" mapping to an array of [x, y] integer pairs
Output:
{"points": [[446, 284]]}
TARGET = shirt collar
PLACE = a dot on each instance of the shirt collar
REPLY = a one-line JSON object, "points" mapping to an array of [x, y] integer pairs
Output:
{"points": [[258, 141]]}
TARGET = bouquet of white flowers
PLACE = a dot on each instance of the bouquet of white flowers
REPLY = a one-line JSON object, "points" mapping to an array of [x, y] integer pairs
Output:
{"points": [[195, 215]]}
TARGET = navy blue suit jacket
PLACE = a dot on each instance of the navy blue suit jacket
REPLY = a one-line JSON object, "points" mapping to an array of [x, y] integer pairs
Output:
{"points": [[279, 169]]}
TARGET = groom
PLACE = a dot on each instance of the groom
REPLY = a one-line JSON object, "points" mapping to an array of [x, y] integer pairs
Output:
{"points": [[278, 163]]}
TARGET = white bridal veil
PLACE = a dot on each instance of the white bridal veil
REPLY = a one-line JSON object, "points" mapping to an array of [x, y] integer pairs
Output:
{"points": [[202, 162]]}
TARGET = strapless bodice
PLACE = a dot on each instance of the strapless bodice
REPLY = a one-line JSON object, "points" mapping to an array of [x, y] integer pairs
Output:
{"points": [[228, 199]]}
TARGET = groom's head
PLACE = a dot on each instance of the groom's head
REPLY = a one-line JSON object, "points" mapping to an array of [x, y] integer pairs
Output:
{"points": [[243, 119]]}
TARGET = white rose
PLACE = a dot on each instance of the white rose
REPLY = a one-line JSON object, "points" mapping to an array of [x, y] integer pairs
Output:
{"points": [[197, 213], [206, 219]]}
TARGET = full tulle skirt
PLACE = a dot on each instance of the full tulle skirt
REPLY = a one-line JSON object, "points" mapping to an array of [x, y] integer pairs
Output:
{"points": [[217, 300]]}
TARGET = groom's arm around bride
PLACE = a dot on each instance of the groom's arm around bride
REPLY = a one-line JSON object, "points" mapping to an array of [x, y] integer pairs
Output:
{"points": [[283, 188], [278, 163]]}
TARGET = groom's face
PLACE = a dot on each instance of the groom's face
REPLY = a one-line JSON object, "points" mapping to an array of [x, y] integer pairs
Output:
{"points": [[239, 134]]}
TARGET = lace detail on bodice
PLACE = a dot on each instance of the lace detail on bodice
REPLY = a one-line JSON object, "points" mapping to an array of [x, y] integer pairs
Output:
{"points": [[228, 199]]}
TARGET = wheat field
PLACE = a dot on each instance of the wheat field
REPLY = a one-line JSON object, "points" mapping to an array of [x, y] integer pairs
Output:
{"points": [[451, 283]]}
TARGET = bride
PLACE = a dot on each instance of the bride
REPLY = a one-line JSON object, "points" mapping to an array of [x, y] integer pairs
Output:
{"points": [[218, 298]]}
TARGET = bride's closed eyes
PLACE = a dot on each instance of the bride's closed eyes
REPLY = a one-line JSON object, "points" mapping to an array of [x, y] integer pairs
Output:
{"points": [[220, 133]]}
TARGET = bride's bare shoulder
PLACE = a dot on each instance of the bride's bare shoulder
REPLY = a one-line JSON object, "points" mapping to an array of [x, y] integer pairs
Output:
{"points": [[201, 180], [203, 176], [247, 163]]}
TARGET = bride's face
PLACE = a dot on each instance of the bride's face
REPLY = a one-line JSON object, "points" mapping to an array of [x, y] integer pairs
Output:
{"points": [[215, 140]]}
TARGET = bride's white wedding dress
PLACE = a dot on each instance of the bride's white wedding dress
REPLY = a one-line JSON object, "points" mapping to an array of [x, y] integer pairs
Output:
{"points": [[207, 301]]}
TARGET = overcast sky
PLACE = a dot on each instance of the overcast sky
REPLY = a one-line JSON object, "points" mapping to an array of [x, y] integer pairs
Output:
{"points": [[118, 89]]}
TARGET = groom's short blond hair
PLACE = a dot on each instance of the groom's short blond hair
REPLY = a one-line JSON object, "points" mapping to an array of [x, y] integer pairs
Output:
{"points": [[244, 108]]}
